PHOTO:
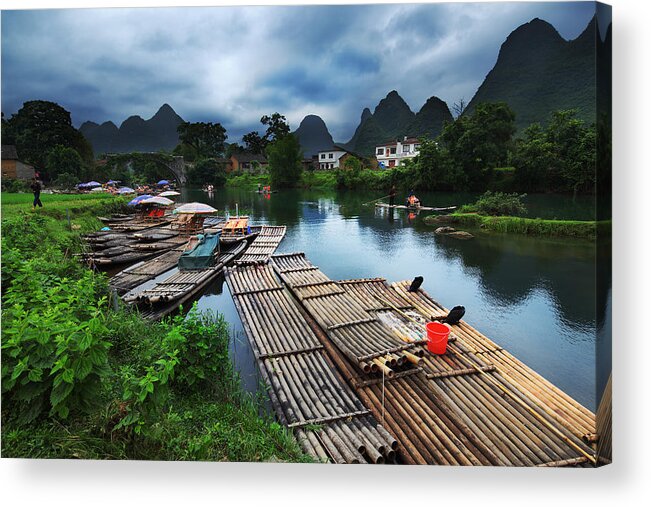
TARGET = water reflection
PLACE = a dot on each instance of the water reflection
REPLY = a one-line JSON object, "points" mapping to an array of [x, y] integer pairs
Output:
{"points": [[534, 296]]}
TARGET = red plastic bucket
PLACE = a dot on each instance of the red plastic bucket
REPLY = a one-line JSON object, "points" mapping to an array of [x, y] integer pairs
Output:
{"points": [[437, 337]]}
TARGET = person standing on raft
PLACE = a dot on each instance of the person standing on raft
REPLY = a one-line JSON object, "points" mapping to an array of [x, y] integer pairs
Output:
{"points": [[392, 195]]}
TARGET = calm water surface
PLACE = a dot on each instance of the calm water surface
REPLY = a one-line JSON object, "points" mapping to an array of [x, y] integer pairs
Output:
{"points": [[533, 296]]}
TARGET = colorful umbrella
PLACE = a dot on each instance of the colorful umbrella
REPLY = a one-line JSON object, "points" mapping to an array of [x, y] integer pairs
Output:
{"points": [[163, 182], [163, 201], [195, 207], [112, 182], [137, 200], [125, 190], [93, 184], [169, 193]]}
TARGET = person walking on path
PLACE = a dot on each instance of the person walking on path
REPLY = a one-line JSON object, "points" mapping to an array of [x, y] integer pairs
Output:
{"points": [[36, 188], [392, 195]]}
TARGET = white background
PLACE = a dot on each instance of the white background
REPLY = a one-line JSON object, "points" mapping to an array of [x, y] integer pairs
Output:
{"points": [[59, 482]]}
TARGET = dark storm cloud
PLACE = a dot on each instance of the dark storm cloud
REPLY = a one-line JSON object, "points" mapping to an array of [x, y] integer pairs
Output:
{"points": [[234, 64]]}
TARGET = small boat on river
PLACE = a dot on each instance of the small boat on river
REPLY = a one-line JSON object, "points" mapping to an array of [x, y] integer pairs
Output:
{"points": [[183, 284], [413, 208]]}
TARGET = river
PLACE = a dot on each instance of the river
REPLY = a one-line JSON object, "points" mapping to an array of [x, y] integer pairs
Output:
{"points": [[533, 296]]}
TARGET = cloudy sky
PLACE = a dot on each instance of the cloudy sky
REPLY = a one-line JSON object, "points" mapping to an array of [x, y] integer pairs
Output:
{"points": [[234, 64]]}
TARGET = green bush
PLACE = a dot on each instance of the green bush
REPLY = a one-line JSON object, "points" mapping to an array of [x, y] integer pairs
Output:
{"points": [[54, 355], [15, 186], [65, 181], [497, 204]]}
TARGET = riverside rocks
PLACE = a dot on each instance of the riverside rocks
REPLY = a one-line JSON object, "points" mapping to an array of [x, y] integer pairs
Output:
{"points": [[461, 235]]}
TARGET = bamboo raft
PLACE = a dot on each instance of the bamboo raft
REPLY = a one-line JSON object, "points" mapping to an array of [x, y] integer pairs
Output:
{"points": [[356, 333], [180, 287], [460, 407], [144, 271], [129, 251], [264, 245], [328, 420], [563, 408], [413, 208]]}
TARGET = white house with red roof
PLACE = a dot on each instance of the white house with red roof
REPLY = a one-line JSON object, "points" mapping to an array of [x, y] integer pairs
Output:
{"points": [[393, 153]]}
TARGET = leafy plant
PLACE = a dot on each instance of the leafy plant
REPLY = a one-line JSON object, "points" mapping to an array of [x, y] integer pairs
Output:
{"points": [[498, 204], [54, 356]]}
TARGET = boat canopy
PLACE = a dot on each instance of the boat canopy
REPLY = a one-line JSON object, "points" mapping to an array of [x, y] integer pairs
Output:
{"points": [[202, 255]]}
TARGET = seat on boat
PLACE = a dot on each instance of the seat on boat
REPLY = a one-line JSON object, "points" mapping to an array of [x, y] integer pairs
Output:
{"points": [[237, 227], [188, 223]]}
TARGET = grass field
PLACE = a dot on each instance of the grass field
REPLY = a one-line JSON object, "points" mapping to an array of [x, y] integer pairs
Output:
{"points": [[55, 205]]}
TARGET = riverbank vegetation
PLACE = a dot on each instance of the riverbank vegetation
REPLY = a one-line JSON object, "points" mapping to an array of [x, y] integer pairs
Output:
{"points": [[499, 212], [478, 151], [520, 225], [82, 377]]}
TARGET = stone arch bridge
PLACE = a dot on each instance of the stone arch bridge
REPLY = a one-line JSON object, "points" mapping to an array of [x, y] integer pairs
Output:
{"points": [[175, 164]]}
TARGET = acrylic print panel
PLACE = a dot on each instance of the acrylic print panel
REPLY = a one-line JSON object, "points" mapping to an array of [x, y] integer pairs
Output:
{"points": [[308, 234]]}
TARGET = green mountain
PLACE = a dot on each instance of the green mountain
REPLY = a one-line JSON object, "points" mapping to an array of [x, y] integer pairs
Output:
{"points": [[430, 119], [394, 115], [313, 135], [393, 119], [135, 134], [538, 72]]}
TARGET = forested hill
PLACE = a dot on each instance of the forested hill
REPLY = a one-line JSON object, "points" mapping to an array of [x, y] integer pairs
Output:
{"points": [[393, 119], [538, 72], [135, 134]]}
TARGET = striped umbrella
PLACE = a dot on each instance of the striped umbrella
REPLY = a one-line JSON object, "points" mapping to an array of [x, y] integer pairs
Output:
{"points": [[169, 193]]}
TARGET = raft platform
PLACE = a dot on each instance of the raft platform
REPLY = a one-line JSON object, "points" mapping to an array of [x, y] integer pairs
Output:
{"points": [[308, 395], [166, 296], [474, 405], [264, 245]]}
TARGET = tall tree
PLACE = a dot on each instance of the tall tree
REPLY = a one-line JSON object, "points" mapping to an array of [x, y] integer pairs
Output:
{"points": [[208, 170], [285, 157], [479, 143], [277, 127], [64, 160], [39, 126], [232, 149], [207, 139], [534, 160], [255, 143]]}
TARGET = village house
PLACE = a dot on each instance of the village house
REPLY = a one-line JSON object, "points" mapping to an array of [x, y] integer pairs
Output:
{"points": [[393, 153], [247, 162], [12, 167], [333, 158]]}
